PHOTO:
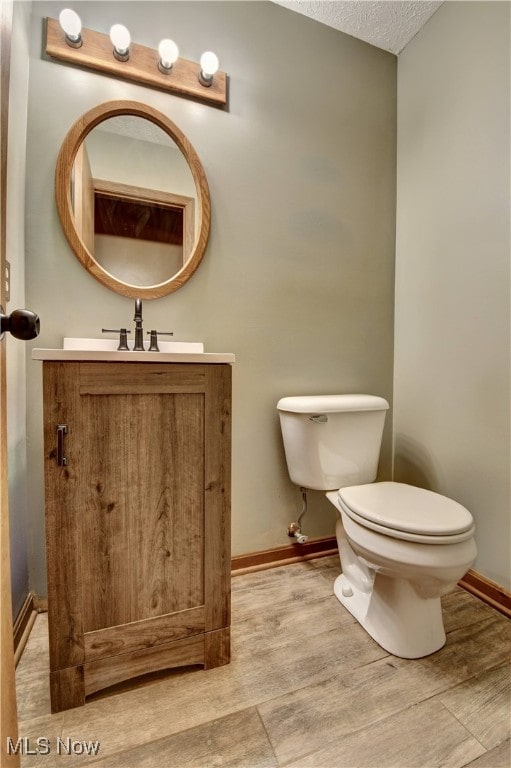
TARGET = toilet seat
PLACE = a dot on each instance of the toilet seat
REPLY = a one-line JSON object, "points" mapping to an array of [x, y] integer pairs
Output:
{"points": [[406, 512]]}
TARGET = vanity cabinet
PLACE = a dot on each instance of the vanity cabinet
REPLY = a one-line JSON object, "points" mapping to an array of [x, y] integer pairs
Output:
{"points": [[137, 485]]}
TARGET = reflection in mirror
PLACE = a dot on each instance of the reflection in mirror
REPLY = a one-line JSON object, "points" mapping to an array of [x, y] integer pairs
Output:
{"points": [[133, 193], [133, 199]]}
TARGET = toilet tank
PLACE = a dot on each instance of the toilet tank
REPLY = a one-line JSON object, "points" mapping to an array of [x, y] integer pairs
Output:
{"points": [[332, 441]]}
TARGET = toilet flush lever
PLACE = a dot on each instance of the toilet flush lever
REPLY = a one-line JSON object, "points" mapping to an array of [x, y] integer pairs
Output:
{"points": [[319, 419]]}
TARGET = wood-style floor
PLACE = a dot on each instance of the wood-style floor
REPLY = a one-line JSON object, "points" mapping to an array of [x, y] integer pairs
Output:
{"points": [[306, 687]]}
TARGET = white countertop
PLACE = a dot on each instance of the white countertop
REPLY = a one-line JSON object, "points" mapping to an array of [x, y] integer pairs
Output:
{"points": [[114, 356]]}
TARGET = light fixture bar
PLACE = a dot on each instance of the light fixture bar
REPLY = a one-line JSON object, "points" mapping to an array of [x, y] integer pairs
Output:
{"points": [[142, 66]]}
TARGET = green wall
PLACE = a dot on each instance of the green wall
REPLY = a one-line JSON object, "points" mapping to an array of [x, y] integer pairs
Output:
{"points": [[298, 277]]}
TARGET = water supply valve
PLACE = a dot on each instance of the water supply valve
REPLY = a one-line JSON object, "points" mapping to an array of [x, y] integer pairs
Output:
{"points": [[294, 531]]}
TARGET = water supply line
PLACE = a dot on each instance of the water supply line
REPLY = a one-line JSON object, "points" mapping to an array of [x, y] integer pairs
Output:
{"points": [[294, 530]]}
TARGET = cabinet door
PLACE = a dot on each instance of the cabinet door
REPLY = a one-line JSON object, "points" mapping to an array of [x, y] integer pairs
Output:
{"points": [[137, 516]]}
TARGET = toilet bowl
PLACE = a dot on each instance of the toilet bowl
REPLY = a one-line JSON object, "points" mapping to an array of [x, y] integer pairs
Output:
{"points": [[401, 547]]}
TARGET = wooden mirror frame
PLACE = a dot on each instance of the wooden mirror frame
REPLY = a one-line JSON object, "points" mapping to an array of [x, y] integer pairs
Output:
{"points": [[63, 175]]}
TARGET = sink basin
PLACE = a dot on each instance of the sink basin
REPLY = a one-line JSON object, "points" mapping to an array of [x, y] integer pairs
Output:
{"points": [[109, 345]]}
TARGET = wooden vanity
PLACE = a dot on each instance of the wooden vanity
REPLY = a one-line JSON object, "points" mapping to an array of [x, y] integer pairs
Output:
{"points": [[137, 450]]}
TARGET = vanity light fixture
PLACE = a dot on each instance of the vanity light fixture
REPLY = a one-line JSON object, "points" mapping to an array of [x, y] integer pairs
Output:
{"points": [[71, 26], [68, 42], [169, 54], [121, 39]]}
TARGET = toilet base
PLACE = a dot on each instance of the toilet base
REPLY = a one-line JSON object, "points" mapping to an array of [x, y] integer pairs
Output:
{"points": [[391, 611]]}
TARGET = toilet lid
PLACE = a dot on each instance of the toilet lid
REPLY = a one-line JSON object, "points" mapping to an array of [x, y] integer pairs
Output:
{"points": [[401, 507]]}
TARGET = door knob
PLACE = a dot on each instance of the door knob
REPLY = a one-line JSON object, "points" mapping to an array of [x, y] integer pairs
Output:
{"points": [[22, 324]]}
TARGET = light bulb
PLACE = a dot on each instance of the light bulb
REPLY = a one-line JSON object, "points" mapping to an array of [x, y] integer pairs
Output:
{"points": [[208, 67], [168, 52], [121, 40], [72, 26]]}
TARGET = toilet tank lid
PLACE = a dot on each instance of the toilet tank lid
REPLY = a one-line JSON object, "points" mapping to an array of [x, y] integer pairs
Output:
{"points": [[332, 403]]}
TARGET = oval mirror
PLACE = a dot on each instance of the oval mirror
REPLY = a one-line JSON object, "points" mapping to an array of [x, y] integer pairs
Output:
{"points": [[133, 199]]}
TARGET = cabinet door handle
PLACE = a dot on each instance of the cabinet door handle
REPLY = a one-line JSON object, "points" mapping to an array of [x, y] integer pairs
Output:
{"points": [[61, 431]]}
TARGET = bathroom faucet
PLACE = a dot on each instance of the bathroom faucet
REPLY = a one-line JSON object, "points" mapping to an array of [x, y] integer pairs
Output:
{"points": [[139, 331]]}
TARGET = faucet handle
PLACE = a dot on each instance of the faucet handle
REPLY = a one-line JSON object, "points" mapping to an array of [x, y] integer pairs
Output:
{"points": [[123, 337], [153, 346]]}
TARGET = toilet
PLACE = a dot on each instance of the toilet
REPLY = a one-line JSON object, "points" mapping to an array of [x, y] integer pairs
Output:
{"points": [[401, 547]]}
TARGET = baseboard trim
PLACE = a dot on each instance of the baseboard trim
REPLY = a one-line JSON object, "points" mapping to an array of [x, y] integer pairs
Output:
{"points": [[293, 553], [487, 591], [23, 625]]}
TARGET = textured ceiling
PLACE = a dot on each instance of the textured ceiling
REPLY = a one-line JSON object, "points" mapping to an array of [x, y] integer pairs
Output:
{"points": [[386, 24]]}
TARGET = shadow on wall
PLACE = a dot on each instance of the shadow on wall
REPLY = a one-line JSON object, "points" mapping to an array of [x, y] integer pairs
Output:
{"points": [[413, 465]]}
